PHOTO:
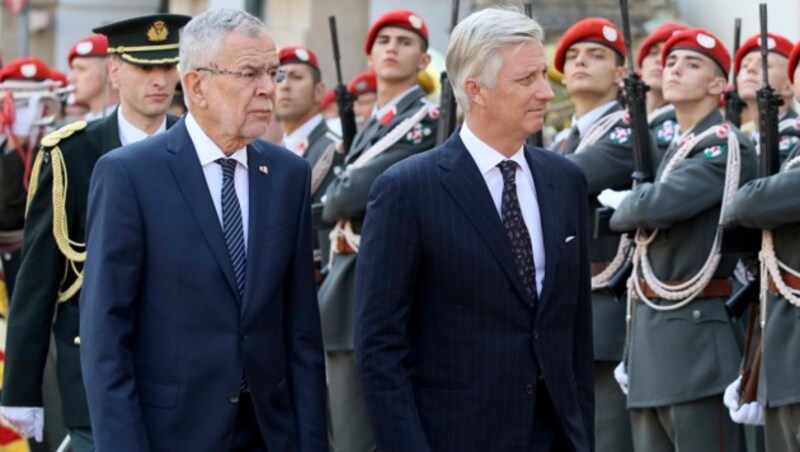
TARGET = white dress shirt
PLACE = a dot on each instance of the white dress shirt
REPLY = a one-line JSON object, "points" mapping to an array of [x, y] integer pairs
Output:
{"points": [[208, 153], [487, 160], [129, 133], [293, 140]]}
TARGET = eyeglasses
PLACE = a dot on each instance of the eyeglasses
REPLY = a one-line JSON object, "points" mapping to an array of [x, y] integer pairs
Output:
{"points": [[250, 76]]}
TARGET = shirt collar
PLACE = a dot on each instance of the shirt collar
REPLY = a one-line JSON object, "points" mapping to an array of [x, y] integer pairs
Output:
{"points": [[486, 157], [586, 121], [293, 140], [378, 111], [207, 150], [129, 133]]}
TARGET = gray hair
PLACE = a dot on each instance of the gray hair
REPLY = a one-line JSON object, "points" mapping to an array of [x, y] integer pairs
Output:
{"points": [[201, 39], [475, 43]]}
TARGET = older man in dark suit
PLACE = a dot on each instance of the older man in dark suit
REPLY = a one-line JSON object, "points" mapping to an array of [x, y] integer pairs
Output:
{"points": [[474, 327]]}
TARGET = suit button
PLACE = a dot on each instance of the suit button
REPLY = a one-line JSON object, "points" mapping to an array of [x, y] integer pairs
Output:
{"points": [[234, 398], [77, 340], [695, 314], [529, 389]]}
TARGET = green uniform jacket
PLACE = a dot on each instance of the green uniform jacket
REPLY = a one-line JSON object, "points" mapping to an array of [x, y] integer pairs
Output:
{"points": [[608, 163], [43, 267], [789, 137], [346, 198], [664, 127], [693, 352], [320, 140], [774, 203]]}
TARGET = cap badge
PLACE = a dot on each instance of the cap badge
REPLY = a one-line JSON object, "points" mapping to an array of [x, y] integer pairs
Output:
{"points": [[415, 21], [706, 41], [770, 43], [158, 32], [301, 54], [28, 70], [84, 48], [609, 33], [361, 85]]}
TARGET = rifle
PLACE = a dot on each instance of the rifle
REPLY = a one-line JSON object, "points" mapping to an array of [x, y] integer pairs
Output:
{"points": [[769, 163], [536, 139], [636, 103], [344, 98], [447, 100], [733, 103]]}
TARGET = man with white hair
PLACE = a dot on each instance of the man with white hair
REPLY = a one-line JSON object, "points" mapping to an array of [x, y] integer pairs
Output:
{"points": [[199, 320], [473, 304]]}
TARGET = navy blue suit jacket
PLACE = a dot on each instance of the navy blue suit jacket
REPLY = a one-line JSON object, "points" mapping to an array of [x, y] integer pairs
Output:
{"points": [[165, 335], [445, 338]]}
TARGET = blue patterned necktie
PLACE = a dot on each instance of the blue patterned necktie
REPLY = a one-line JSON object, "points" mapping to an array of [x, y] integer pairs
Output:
{"points": [[232, 222], [516, 229]]}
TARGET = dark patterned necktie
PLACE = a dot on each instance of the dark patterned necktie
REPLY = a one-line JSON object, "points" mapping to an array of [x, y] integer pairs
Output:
{"points": [[571, 143], [516, 229], [232, 223]]}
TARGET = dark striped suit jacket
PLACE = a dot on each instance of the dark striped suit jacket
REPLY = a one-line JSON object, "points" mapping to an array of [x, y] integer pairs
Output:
{"points": [[445, 339]]}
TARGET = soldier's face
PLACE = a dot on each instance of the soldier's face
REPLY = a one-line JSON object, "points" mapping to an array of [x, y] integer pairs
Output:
{"points": [[397, 55], [749, 78], [363, 107], [691, 77], [146, 91], [518, 101], [298, 95], [89, 76], [651, 67], [591, 69]]}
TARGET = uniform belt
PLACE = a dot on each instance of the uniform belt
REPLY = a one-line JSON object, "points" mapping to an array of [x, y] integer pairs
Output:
{"points": [[342, 247], [716, 288], [789, 279], [599, 267]]}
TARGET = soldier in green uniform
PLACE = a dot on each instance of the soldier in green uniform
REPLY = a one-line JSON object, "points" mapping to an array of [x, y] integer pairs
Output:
{"points": [[306, 134], [403, 123], [143, 67], [591, 55], [772, 204], [660, 114], [749, 79], [684, 348]]}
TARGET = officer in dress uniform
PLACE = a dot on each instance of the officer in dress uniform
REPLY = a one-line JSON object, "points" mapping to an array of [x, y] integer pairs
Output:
{"points": [[143, 67], [749, 79], [684, 349], [772, 204], [402, 124], [306, 134], [88, 63], [660, 114], [591, 55]]}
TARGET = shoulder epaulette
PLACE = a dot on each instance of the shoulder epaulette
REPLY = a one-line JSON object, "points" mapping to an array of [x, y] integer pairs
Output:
{"points": [[52, 139]]}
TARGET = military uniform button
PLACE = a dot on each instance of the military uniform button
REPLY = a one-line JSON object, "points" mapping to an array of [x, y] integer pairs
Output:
{"points": [[77, 340], [696, 314]]}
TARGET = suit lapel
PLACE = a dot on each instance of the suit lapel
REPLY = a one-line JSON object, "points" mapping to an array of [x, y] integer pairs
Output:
{"points": [[548, 212], [191, 182], [258, 171], [466, 186], [111, 132]]}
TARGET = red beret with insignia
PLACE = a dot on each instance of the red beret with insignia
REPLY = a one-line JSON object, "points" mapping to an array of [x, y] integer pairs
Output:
{"points": [[28, 68], [661, 34], [700, 41], [775, 43], [364, 82], [594, 29], [59, 77], [298, 54], [91, 46], [794, 57], [401, 18], [328, 98]]}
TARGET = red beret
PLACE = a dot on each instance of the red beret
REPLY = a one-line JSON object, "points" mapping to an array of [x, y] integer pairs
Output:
{"points": [[328, 98], [90, 46], [401, 18], [593, 29], [364, 82], [59, 77], [661, 34], [701, 41], [775, 43], [298, 54], [28, 68], [794, 57]]}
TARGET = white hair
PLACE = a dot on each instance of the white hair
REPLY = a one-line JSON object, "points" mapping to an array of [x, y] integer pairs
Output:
{"points": [[475, 43]]}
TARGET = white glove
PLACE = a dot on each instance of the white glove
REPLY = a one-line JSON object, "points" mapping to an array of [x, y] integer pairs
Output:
{"points": [[749, 414], [621, 375], [612, 198], [28, 421]]}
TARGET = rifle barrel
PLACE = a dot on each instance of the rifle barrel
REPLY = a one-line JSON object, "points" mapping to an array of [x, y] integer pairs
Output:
{"points": [[335, 41]]}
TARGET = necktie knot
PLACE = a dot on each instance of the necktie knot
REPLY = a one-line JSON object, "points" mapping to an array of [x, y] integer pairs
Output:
{"points": [[509, 169], [228, 167]]}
